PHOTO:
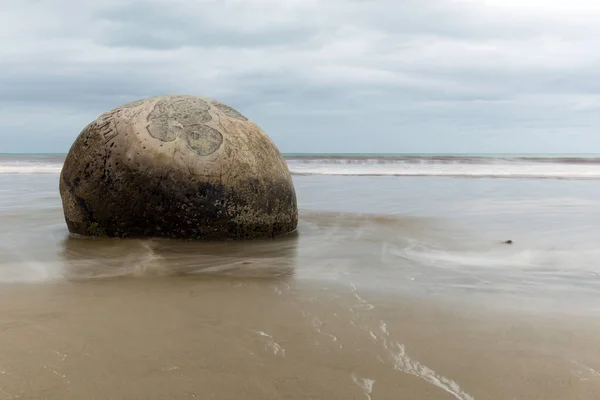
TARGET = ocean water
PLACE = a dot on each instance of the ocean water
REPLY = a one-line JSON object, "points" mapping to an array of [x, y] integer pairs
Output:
{"points": [[398, 283], [429, 225]]}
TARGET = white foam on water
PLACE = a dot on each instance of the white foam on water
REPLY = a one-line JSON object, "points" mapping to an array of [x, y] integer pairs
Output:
{"points": [[365, 384], [481, 259], [27, 167], [317, 324], [588, 370], [275, 347], [458, 168], [575, 261], [404, 363], [479, 167], [383, 328], [364, 304]]}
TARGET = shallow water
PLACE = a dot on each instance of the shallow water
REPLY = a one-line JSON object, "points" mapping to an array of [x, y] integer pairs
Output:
{"points": [[392, 287], [423, 236]]}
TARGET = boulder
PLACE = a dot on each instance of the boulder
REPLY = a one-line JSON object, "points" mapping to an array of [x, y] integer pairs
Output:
{"points": [[176, 166]]}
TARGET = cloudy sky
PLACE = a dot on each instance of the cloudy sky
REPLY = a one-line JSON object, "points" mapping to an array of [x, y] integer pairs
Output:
{"points": [[317, 75]]}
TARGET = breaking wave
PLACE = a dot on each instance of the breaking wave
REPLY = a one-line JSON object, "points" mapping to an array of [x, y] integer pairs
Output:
{"points": [[31, 164], [538, 167], [451, 166]]}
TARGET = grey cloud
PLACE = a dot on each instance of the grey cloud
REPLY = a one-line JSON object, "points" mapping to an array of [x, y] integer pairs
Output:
{"points": [[158, 27], [336, 75]]}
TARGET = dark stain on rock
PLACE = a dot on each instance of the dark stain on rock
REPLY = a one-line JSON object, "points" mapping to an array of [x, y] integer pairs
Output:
{"points": [[163, 207]]}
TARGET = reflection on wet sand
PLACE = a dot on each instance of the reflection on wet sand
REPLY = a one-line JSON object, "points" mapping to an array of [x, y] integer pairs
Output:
{"points": [[96, 258]]}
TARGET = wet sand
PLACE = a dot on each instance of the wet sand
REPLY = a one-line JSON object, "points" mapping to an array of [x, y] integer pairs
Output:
{"points": [[405, 304], [224, 338]]}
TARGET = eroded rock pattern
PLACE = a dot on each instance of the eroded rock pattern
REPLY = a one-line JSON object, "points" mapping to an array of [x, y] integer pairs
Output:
{"points": [[176, 166]]}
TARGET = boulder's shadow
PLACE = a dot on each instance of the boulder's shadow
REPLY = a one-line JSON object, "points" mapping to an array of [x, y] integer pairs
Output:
{"points": [[103, 258]]}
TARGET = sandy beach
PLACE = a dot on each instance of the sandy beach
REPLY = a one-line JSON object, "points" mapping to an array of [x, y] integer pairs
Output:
{"points": [[223, 338], [389, 289]]}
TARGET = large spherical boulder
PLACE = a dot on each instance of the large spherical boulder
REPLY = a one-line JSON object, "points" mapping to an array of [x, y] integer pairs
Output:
{"points": [[176, 166]]}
